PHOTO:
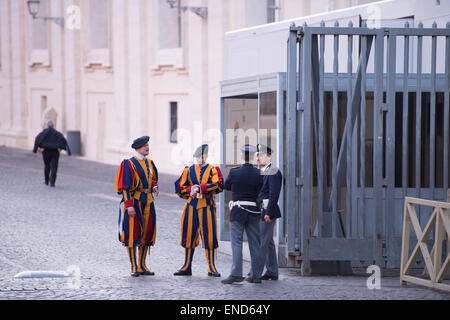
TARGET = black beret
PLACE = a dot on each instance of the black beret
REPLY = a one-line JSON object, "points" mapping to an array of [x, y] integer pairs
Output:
{"points": [[140, 142], [264, 149], [203, 149]]}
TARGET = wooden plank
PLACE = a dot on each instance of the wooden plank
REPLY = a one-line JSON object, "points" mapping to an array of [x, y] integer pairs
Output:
{"points": [[427, 258], [421, 237], [415, 252], [430, 203], [434, 268], [437, 248], [444, 269], [427, 283], [446, 222], [445, 216], [405, 240]]}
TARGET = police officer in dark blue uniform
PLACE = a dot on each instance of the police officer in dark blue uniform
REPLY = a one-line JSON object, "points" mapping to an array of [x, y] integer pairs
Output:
{"points": [[245, 182]]}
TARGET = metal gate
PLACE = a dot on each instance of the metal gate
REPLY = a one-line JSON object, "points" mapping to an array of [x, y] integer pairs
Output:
{"points": [[358, 140]]}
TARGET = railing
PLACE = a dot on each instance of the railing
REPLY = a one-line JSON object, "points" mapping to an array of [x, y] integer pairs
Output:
{"points": [[440, 221]]}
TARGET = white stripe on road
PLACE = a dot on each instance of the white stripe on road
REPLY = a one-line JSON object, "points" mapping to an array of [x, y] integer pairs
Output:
{"points": [[42, 274]]}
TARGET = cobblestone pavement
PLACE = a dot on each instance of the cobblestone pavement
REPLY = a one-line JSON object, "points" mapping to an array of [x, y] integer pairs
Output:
{"points": [[75, 224]]}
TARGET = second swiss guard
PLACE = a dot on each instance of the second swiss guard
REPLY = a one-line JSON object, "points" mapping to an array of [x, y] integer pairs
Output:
{"points": [[198, 184], [137, 181]]}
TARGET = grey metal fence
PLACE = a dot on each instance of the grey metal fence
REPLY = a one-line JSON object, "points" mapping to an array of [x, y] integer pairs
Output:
{"points": [[362, 137]]}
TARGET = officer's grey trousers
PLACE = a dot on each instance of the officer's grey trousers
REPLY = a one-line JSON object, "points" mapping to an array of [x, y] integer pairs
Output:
{"points": [[268, 249], [251, 227]]}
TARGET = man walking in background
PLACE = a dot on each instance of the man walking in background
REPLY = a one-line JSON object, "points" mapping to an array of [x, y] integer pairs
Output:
{"points": [[50, 142]]}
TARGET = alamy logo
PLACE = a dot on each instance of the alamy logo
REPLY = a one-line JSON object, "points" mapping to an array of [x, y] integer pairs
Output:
{"points": [[73, 17], [374, 18], [374, 280], [74, 280]]}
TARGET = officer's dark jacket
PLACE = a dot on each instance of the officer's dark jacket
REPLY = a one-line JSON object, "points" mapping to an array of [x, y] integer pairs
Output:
{"points": [[51, 139], [245, 183], [271, 190]]}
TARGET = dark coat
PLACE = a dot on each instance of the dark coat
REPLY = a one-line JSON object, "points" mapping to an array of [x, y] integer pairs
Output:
{"points": [[244, 182], [271, 190], [51, 139]]}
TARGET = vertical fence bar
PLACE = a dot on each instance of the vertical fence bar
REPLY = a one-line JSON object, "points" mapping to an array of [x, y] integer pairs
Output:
{"points": [[405, 114], [323, 183], [362, 152], [433, 115], [418, 113], [390, 159], [335, 132], [281, 235], [299, 119], [291, 151], [446, 115], [419, 119], [405, 132], [377, 146], [305, 196], [301, 129], [316, 78], [348, 205]]}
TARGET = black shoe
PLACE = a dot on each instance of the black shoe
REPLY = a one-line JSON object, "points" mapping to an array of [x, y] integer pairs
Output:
{"points": [[214, 274], [147, 273], [252, 279], [269, 277], [46, 183], [232, 279], [183, 273], [52, 185], [135, 274]]}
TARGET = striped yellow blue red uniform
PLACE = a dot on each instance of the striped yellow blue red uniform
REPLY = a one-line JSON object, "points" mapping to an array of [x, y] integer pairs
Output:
{"points": [[134, 181], [199, 214]]}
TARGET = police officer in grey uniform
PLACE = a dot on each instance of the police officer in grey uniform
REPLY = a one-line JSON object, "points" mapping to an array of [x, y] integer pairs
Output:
{"points": [[269, 195], [245, 182]]}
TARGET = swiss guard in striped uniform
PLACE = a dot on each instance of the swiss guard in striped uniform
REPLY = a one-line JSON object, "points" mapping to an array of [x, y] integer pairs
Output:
{"points": [[198, 184], [136, 180]]}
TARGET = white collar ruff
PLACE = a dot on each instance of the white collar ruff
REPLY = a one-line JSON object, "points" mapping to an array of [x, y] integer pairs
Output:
{"points": [[138, 155]]}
